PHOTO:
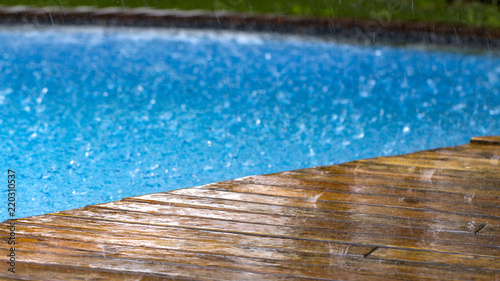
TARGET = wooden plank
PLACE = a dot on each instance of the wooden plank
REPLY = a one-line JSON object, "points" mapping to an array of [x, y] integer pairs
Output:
{"points": [[437, 172], [426, 257], [376, 186], [333, 196], [163, 269], [466, 159], [44, 272], [184, 247], [402, 173], [415, 174], [492, 140], [349, 267], [460, 169], [365, 236], [471, 150], [90, 225], [431, 215], [306, 203], [270, 219], [291, 211], [183, 259], [483, 155]]}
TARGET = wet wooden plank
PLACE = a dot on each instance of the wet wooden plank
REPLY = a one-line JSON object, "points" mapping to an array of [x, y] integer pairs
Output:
{"points": [[429, 215], [421, 176], [347, 267], [163, 269], [299, 230], [331, 263], [417, 175], [312, 203], [492, 140], [426, 172], [375, 200], [46, 272], [459, 168], [471, 150], [273, 220], [378, 186], [435, 219], [66, 225], [460, 260], [466, 159], [186, 259], [291, 211]]}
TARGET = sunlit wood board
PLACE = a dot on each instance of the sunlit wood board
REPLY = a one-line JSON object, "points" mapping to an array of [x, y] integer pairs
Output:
{"points": [[427, 215]]}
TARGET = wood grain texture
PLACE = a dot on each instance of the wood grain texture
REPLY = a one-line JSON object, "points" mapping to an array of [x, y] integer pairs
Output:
{"points": [[430, 215], [493, 140]]}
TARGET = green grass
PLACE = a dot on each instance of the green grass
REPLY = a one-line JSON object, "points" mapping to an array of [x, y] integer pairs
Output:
{"points": [[460, 12]]}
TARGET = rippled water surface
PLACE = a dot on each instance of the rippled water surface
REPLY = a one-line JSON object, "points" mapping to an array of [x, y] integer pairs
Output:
{"points": [[94, 115]]}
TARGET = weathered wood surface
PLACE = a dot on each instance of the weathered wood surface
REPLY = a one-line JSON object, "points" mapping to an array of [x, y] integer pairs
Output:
{"points": [[426, 215], [494, 140]]}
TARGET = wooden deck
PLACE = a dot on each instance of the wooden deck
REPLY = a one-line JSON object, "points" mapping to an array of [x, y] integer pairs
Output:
{"points": [[426, 215]]}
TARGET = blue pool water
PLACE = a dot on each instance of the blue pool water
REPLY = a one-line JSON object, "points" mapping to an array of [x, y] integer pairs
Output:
{"points": [[94, 115]]}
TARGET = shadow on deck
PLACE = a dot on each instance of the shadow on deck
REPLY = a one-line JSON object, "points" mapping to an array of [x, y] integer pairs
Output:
{"points": [[426, 215]]}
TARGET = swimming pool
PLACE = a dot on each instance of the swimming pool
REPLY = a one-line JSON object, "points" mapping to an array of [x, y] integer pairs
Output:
{"points": [[90, 115]]}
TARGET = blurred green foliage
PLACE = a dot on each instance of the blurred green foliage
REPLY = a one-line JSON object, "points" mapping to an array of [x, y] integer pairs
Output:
{"points": [[441, 11]]}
